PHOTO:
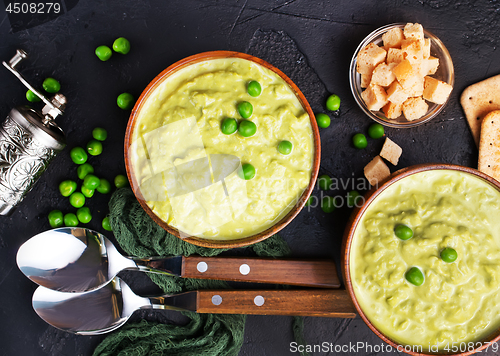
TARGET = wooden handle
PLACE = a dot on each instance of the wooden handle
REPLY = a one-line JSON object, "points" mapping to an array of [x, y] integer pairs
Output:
{"points": [[313, 302], [307, 273]]}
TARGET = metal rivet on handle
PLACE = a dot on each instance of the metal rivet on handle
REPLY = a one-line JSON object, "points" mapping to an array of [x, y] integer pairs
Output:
{"points": [[259, 300], [216, 300], [244, 269], [202, 267]]}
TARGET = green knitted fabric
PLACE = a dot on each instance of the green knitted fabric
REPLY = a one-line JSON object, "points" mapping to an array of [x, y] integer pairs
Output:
{"points": [[205, 334]]}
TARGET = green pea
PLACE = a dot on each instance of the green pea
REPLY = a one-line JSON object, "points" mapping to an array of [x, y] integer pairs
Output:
{"points": [[247, 171], [309, 201], [94, 147], [415, 276], [247, 128], [328, 204], [70, 220], [104, 187], [56, 218], [254, 88], [353, 197], [245, 109], [99, 134], [229, 126], [403, 232], [121, 181], [91, 182], [103, 53], [121, 45], [83, 170], [125, 101], [83, 214], [285, 147], [106, 225], [78, 155], [67, 187], [88, 193], [359, 141], [32, 97], [376, 131], [323, 120], [50, 85], [324, 182], [333, 102], [77, 199], [449, 255]]}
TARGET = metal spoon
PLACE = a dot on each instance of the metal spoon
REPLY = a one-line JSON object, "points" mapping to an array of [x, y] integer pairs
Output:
{"points": [[109, 307], [74, 259]]}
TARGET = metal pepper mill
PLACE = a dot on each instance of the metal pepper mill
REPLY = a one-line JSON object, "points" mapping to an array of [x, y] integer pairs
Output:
{"points": [[29, 140]]}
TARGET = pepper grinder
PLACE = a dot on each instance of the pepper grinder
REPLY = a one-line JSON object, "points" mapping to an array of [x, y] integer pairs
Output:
{"points": [[29, 140]]}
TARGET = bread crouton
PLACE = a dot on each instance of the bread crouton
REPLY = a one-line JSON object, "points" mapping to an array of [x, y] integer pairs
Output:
{"points": [[374, 97], [414, 108], [393, 38], [396, 94], [392, 111], [376, 171], [383, 75], [414, 31], [436, 91], [369, 57], [391, 151]]}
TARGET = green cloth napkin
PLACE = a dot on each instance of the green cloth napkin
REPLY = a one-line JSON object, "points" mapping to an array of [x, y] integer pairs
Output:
{"points": [[205, 334]]}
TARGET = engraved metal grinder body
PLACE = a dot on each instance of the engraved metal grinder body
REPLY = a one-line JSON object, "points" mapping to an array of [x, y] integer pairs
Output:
{"points": [[29, 140]]}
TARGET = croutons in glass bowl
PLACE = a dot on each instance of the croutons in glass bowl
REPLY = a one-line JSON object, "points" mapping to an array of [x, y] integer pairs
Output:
{"points": [[401, 75]]}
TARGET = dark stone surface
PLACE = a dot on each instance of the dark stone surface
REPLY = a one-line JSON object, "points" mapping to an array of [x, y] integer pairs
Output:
{"points": [[325, 34]]}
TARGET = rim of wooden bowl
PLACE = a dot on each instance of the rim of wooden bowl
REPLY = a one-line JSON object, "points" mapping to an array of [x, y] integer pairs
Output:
{"points": [[200, 57], [354, 220]]}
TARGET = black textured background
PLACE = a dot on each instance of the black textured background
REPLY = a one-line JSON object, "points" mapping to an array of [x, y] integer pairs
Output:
{"points": [[317, 39]]}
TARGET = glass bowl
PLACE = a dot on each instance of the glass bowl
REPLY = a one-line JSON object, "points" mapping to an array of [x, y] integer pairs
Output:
{"points": [[444, 73]]}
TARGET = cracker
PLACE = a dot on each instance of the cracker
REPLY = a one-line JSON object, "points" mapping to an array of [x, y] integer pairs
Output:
{"points": [[478, 100], [489, 145]]}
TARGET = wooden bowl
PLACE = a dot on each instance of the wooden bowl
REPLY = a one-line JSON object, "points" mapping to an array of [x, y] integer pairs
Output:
{"points": [[356, 217], [132, 123]]}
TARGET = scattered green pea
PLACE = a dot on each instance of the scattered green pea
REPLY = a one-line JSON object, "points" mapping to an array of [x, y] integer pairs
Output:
{"points": [[99, 134], [328, 204], [333, 102], [32, 97], [88, 193], [106, 225], [403, 232], [353, 197], [83, 170], [50, 85], [94, 147], [56, 218], [104, 187], [285, 147], [247, 128], [120, 181], [77, 199], [78, 155], [121, 45], [415, 276], [245, 109], [254, 88], [247, 171], [229, 126], [359, 141], [324, 182], [449, 255], [323, 120], [125, 101], [83, 214], [103, 53], [91, 182], [67, 187], [70, 220], [376, 131]]}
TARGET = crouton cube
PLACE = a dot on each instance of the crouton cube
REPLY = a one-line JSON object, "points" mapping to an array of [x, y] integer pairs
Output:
{"points": [[391, 151], [393, 38], [375, 97], [365, 80], [383, 75], [432, 65], [392, 111], [404, 73], [414, 31], [396, 94], [369, 57], [427, 48], [415, 86], [395, 55], [376, 171], [436, 91], [414, 108], [413, 50]]}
